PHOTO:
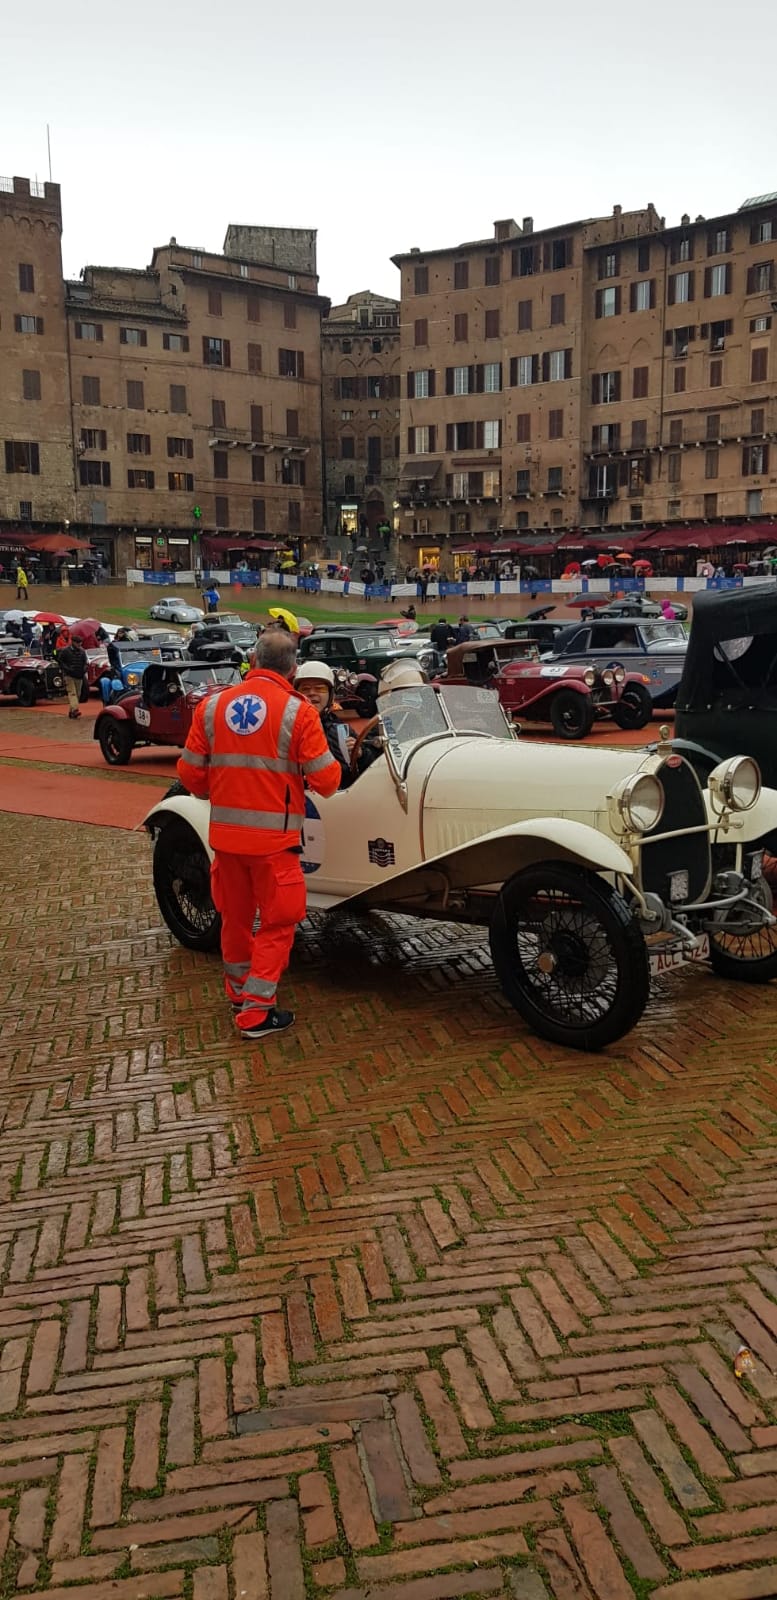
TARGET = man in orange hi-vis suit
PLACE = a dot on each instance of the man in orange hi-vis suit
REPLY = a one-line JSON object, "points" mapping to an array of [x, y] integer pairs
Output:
{"points": [[250, 751]]}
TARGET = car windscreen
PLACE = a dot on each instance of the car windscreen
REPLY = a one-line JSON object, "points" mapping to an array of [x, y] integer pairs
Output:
{"points": [[409, 715], [664, 632], [473, 710], [376, 641], [204, 677], [138, 652]]}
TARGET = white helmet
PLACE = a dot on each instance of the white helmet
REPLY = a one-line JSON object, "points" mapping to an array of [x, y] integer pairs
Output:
{"points": [[316, 672], [400, 675]]}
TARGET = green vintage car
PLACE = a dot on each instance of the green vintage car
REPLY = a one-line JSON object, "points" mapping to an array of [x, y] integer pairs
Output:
{"points": [[369, 650]]}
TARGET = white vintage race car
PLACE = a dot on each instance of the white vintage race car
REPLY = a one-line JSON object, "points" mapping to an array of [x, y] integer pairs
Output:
{"points": [[591, 868]]}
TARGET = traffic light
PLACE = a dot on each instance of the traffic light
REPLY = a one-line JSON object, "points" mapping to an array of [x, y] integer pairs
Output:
{"points": [[197, 513]]}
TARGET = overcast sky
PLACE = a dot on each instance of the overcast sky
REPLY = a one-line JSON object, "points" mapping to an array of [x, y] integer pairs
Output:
{"points": [[415, 122]]}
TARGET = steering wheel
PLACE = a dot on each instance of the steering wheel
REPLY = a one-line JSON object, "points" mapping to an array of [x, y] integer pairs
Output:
{"points": [[359, 742]]}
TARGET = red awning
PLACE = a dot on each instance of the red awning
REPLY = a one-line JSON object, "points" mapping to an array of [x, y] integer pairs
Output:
{"points": [[747, 533], [220, 543], [17, 539], [678, 539], [55, 543], [533, 549], [707, 536]]}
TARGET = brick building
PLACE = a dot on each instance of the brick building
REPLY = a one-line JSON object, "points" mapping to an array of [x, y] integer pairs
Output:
{"points": [[36, 437], [360, 358], [606, 377], [173, 412]]}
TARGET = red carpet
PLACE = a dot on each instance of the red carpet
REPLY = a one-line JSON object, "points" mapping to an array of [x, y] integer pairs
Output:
{"points": [[159, 761], [76, 799]]}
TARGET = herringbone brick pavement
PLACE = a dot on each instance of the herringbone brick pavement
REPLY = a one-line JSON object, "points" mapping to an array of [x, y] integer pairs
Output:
{"points": [[404, 1304]]}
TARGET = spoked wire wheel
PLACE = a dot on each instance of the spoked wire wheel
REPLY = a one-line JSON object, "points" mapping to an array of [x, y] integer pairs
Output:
{"points": [[569, 955], [740, 950], [182, 885]]}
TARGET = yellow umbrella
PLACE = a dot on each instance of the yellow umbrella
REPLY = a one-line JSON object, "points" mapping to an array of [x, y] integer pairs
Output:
{"points": [[285, 565], [280, 614]]}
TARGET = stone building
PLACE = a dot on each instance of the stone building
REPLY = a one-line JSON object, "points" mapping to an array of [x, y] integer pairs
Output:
{"points": [[165, 415], [36, 437], [197, 399], [360, 358], [602, 377]]}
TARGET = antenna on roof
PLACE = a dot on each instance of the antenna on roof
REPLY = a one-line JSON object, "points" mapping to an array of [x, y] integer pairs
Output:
{"points": [[48, 144]]}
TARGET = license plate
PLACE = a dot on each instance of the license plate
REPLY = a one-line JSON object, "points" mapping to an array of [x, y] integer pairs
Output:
{"points": [[664, 957]]}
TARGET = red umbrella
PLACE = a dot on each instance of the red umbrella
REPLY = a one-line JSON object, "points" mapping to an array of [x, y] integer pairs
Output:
{"points": [[584, 600], [86, 632], [49, 616]]}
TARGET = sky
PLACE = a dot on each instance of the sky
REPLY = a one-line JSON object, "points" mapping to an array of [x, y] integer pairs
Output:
{"points": [[414, 123]]}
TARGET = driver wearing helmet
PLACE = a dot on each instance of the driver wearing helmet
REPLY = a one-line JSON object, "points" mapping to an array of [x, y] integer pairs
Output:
{"points": [[315, 680], [402, 675]]}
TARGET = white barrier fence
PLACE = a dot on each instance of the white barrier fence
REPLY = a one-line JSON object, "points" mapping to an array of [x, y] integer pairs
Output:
{"points": [[156, 583]]}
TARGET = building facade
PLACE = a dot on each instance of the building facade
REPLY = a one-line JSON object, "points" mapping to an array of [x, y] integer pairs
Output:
{"points": [[36, 437], [360, 360], [174, 413], [599, 378]]}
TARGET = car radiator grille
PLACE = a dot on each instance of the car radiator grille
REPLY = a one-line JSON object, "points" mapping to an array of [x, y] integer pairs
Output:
{"points": [[683, 808]]}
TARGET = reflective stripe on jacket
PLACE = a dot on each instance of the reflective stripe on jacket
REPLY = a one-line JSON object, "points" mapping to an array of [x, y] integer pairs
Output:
{"points": [[249, 749]]}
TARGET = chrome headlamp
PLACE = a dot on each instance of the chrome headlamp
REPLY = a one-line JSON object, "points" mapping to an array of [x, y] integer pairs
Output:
{"points": [[589, 677], [735, 785], [609, 677], [637, 803]]}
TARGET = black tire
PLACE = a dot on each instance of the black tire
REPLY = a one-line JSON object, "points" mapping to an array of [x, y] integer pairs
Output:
{"points": [[635, 707], [571, 714], [83, 693], [26, 690], [745, 957], [597, 980], [116, 741], [182, 886]]}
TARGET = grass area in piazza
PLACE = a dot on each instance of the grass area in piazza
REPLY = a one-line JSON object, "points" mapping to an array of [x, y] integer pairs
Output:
{"points": [[132, 603]]}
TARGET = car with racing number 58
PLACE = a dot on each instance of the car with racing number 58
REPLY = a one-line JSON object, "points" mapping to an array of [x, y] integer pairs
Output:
{"points": [[591, 868]]}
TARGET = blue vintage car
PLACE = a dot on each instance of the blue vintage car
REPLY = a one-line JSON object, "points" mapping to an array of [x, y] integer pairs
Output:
{"points": [[652, 647], [129, 659]]}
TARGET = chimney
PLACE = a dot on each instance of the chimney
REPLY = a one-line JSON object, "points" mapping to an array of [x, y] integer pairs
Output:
{"points": [[415, 249], [528, 225], [506, 229], [617, 211], [685, 219]]}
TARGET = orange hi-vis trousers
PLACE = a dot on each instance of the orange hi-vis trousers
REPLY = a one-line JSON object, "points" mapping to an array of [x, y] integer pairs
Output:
{"points": [[261, 899]]}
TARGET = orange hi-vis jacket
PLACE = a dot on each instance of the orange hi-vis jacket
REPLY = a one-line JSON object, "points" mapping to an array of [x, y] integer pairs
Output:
{"points": [[248, 751]]}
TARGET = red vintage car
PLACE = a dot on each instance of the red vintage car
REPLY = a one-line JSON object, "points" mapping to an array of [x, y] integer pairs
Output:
{"points": [[161, 711], [28, 677], [569, 697]]}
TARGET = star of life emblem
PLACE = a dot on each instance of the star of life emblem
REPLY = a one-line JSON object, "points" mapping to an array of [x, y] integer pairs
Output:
{"points": [[246, 714]]}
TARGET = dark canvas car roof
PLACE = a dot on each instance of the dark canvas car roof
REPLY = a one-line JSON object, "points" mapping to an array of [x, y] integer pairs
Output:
{"points": [[732, 614]]}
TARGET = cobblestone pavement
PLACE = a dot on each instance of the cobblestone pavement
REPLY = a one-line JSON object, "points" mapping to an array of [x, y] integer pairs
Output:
{"points": [[403, 1304]]}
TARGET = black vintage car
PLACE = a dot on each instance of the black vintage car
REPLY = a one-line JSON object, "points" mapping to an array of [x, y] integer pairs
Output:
{"points": [[369, 649], [727, 698]]}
